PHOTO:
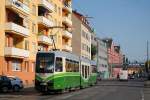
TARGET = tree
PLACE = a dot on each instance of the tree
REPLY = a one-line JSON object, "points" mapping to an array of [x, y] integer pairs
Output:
{"points": [[93, 51]]}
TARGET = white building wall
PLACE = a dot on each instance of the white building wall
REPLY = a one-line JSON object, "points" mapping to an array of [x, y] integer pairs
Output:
{"points": [[102, 56]]}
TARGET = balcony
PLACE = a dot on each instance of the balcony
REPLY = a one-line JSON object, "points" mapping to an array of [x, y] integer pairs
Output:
{"points": [[18, 6], [16, 52], [67, 21], [16, 29], [46, 5], [67, 48], [67, 34], [45, 21], [67, 7], [44, 39]]}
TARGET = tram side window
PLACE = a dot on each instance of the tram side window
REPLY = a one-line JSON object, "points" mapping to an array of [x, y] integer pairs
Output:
{"points": [[59, 65], [72, 66], [68, 66], [76, 66], [83, 70], [86, 72]]}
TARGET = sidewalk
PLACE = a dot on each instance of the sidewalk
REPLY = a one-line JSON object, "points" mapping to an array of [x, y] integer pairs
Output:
{"points": [[28, 86], [147, 83]]}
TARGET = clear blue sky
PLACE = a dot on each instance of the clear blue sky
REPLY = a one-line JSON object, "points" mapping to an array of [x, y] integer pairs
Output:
{"points": [[126, 21]]}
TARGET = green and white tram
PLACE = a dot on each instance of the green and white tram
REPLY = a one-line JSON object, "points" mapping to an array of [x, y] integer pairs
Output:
{"points": [[58, 70]]}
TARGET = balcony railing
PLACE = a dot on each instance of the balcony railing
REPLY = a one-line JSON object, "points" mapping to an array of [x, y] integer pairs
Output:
{"points": [[16, 52], [18, 6], [67, 34], [67, 21], [47, 5], [67, 7], [67, 48], [16, 29], [44, 39], [45, 21]]}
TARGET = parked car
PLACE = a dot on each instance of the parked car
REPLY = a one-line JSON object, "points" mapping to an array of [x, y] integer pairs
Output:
{"points": [[5, 84], [17, 83]]}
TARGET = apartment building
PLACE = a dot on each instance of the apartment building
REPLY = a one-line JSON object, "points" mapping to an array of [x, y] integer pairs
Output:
{"points": [[81, 41], [102, 66], [27, 26]]}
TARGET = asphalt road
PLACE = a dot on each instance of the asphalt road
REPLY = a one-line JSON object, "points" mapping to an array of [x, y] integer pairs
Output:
{"points": [[104, 90]]}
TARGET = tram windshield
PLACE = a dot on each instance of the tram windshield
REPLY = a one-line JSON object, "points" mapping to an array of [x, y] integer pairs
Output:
{"points": [[45, 63]]}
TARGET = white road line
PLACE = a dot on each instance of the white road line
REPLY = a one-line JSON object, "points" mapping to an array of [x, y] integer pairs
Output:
{"points": [[142, 95]]}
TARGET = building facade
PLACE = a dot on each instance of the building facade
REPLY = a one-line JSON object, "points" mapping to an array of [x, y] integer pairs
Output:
{"points": [[115, 57], [81, 41], [27, 26], [102, 62]]}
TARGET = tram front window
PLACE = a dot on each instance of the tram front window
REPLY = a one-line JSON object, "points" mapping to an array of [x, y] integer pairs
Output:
{"points": [[45, 63]]}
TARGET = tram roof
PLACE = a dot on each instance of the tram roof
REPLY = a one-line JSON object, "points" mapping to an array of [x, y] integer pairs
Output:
{"points": [[93, 62], [67, 55], [63, 54]]}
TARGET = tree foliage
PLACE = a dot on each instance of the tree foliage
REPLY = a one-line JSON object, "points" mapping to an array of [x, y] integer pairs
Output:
{"points": [[93, 51]]}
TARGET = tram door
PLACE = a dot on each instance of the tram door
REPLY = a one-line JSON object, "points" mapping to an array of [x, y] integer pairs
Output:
{"points": [[85, 71]]}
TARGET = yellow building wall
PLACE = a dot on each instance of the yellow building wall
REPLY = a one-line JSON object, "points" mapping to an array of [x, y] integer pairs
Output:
{"points": [[55, 16]]}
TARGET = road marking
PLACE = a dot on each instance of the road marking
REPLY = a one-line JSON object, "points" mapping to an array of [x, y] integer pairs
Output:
{"points": [[142, 95]]}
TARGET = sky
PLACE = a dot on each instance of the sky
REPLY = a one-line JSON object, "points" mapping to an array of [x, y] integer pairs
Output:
{"points": [[126, 21]]}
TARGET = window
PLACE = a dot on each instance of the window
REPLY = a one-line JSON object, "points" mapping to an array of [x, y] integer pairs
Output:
{"points": [[45, 63], [72, 66], [55, 8], [26, 67], [59, 10], [34, 10], [34, 48], [83, 34], [7, 66], [82, 46], [76, 67], [87, 37], [26, 45], [16, 65], [33, 66], [33, 27], [59, 64], [67, 65], [86, 72], [7, 41], [83, 70]]}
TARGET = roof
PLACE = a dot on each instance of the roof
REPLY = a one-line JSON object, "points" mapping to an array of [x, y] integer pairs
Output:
{"points": [[83, 19]]}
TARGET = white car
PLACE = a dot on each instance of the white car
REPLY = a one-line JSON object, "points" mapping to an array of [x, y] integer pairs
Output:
{"points": [[123, 75], [16, 82]]}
